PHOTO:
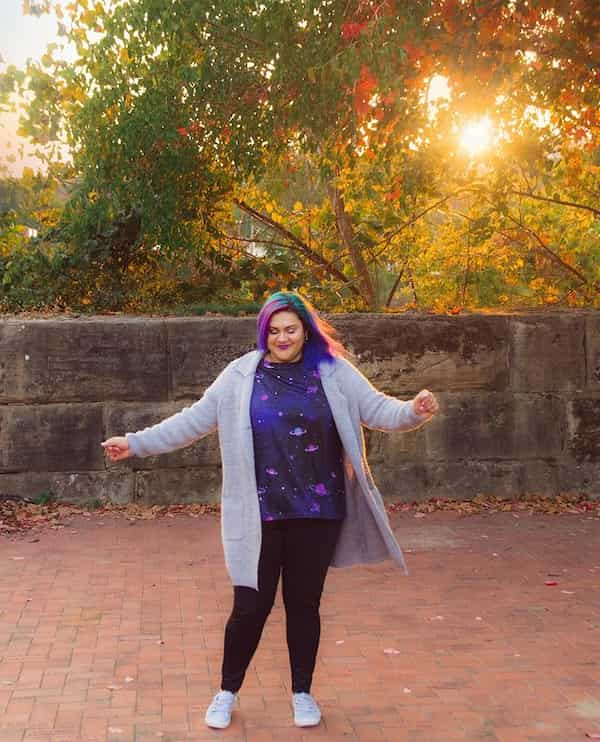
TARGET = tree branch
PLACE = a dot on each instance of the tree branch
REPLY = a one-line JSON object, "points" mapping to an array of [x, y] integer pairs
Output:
{"points": [[542, 245], [297, 244], [558, 201], [411, 221], [545, 248], [395, 286]]}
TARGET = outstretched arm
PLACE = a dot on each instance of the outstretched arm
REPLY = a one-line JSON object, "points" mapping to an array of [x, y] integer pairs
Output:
{"points": [[177, 431]]}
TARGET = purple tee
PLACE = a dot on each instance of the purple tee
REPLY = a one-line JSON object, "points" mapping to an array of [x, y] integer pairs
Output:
{"points": [[297, 449]]}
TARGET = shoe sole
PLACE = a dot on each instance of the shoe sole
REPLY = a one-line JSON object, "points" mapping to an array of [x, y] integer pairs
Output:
{"points": [[217, 726], [307, 724]]}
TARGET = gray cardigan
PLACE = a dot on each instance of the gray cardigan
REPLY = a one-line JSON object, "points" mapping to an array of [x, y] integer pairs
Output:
{"points": [[366, 535]]}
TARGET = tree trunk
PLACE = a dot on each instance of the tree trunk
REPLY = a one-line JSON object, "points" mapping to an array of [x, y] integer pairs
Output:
{"points": [[346, 232]]}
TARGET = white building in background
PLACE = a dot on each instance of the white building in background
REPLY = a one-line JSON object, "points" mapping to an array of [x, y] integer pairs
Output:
{"points": [[255, 249]]}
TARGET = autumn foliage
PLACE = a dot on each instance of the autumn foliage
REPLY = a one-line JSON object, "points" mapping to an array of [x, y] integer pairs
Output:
{"points": [[335, 147]]}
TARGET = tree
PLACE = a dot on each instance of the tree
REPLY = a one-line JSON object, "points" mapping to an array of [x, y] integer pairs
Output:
{"points": [[312, 119]]}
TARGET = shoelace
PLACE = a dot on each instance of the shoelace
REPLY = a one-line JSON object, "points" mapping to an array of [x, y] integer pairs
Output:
{"points": [[305, 703], [220, 702]]}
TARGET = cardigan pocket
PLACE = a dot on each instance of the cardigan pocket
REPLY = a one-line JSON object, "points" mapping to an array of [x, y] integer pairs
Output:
{"points": [[232, 518]]}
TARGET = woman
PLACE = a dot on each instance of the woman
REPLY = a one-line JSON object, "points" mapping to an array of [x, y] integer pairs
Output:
{"points": [[298, 495]]}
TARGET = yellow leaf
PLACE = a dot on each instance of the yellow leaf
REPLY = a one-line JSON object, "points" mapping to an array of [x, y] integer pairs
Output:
{"points": [[88, 17], [298, 206]]}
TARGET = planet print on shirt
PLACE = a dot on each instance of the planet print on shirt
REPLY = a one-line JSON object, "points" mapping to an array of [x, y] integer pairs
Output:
{"points": [[298, 453]]}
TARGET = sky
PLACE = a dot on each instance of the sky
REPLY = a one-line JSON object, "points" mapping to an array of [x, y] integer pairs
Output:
{"points": [[21, 38]]}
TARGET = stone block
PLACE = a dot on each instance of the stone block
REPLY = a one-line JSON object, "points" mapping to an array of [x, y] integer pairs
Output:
{"points": [[396, 448], [547, 353], [490, 426], [402, 354], [200, 349], [402, 482], [583, 421], [83, 360], [592, 344], [457, 480], [129, 418], [540, 477], [80, 488], [165, 486], [464, 480], [582, 479], [55, 438]]}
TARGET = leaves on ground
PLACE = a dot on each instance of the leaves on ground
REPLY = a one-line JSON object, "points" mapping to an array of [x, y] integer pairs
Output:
{"points": [[19, 516], [572, 503]]}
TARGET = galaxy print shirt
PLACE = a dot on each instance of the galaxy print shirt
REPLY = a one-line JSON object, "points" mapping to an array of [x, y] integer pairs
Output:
{"points": [[297, 449]]}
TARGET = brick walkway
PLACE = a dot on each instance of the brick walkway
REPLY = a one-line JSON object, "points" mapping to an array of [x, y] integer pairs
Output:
{"points": [[111, 630]]}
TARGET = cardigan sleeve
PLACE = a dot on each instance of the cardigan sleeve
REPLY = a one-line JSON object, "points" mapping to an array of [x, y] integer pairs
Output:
{"points": [[380, 411], [182, 428]]}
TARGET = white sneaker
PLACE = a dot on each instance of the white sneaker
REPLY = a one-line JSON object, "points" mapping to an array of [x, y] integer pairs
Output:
{"points": [[306, 711], [218, 714]]}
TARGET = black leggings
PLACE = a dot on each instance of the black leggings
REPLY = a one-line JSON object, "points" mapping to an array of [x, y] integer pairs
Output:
{"points": [[301, 549]]}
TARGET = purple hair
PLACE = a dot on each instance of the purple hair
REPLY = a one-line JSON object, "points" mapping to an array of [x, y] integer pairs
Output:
{"points": [[322, 344]]}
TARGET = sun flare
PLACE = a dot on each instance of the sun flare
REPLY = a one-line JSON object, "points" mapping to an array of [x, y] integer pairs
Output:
{"points": [[477, 136]]}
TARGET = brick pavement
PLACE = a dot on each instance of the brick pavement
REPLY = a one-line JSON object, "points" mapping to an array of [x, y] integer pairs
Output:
{"points": [[112, 630]]}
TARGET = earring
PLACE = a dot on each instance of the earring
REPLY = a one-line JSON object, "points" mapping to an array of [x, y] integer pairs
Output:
{"points": [[306, 337]]}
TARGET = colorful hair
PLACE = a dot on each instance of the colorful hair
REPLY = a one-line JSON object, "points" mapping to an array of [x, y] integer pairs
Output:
{"points": [[322, 344]]}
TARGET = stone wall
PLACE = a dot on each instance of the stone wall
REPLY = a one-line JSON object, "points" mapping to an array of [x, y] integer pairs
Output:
{"points": [[519, 394]]}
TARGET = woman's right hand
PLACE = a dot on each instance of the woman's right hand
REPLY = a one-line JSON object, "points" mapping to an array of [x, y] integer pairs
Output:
{"points": [[117, 448]]}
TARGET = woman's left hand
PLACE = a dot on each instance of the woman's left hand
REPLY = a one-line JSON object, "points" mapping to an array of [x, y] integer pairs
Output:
{"points": [[425, 404]]}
